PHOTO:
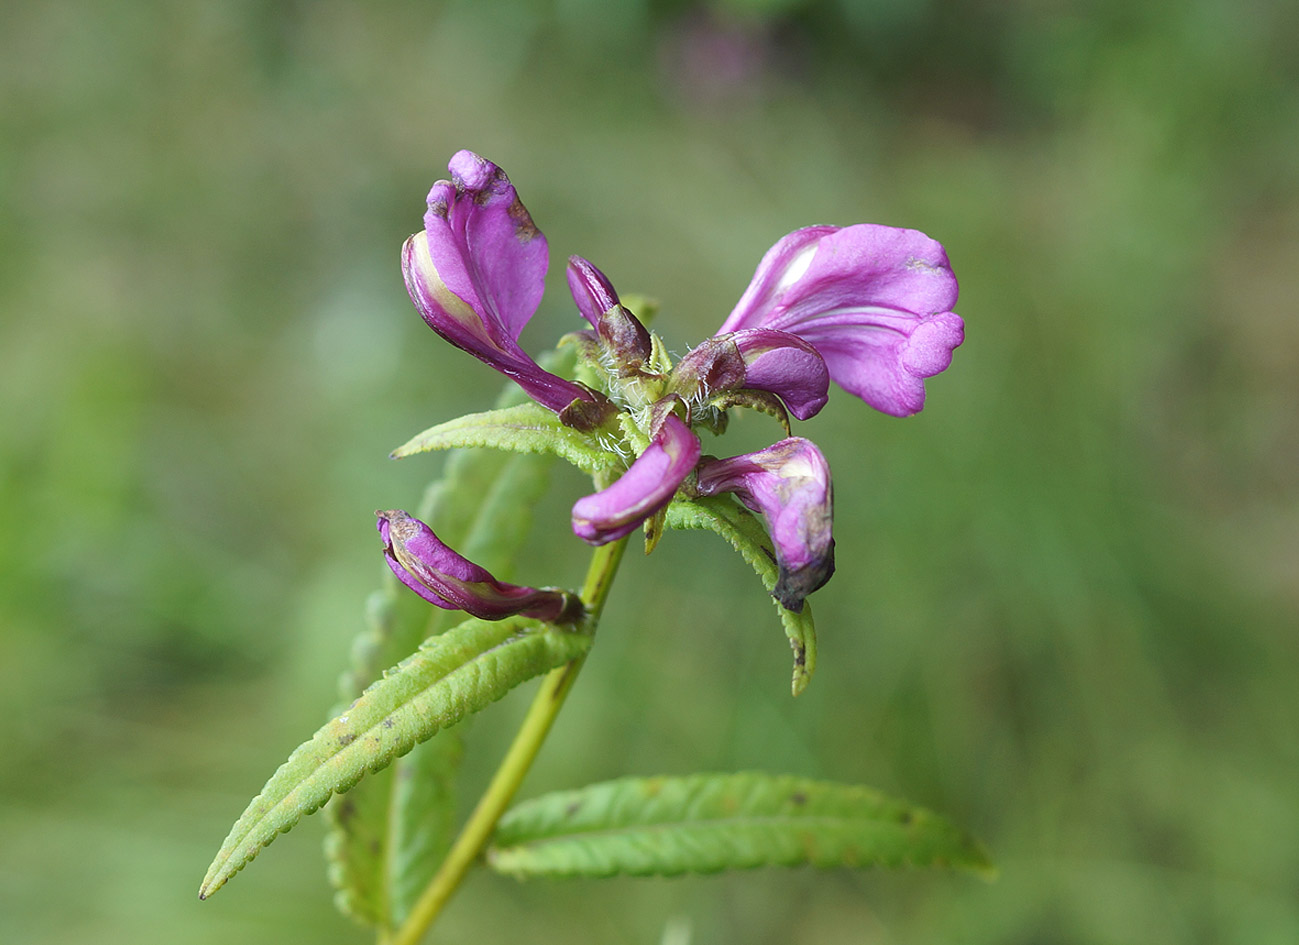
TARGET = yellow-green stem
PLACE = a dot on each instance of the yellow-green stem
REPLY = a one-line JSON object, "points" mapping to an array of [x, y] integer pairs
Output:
{"points": [[514, 766]]}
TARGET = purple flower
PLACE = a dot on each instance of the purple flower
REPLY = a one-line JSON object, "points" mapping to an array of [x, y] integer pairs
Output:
{"points": [[436, 573], [875, 301], [788, 483], [647, 485], [477, 272]]}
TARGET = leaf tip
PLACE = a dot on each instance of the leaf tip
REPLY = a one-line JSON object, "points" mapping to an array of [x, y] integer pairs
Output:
{"points": [[803, 667], [799, 683]]}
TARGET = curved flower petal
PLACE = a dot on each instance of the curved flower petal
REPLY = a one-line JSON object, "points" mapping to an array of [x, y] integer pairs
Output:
{"points": [[788, 483], [491, 253], [477, 271], [647, 485], [438, 574], [875, 301], [785, 365]]}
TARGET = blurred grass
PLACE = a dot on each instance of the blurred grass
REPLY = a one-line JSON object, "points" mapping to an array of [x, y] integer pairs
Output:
{"points": [[1066, 607]]}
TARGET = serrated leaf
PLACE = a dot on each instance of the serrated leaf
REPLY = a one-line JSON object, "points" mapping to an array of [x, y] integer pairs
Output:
{"points": [[386, 836], [525, 428], [448, 677], [421, 819], [721, 514], [708, 823]]}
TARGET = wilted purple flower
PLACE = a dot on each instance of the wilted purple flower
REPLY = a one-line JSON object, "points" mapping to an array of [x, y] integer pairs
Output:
{"points": [[647, 485], [788, 483], [442, 577], [477, 271], [875, 301]]}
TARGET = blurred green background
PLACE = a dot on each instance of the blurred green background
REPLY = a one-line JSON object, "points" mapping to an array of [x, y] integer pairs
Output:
{"points": [[1067, 604]]}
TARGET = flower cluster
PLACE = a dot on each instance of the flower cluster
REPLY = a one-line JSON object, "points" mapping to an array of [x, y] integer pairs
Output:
{"points": [[865, 306]]}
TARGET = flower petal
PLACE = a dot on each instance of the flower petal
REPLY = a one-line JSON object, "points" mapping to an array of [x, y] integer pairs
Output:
{"points": [[788, 483], [781, 267], [886, 367], [489, 252], [785, 365], [875, 301], [438, 574], [477, 271], [647, 485]]}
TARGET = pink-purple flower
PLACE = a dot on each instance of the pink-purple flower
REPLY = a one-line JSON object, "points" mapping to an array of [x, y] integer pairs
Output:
{"points": [[875, 302], [477, 272], [867, 306]]}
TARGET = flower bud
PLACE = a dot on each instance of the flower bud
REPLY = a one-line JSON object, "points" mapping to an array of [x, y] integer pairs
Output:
{"points": [[623, 337], [442, 577]]}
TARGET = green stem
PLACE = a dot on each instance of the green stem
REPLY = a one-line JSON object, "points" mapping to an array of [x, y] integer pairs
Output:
{"points": [[514, 766]]}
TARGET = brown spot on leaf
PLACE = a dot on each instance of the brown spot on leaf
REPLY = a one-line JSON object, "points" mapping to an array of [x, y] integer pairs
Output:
{"points": [[798, 798], [345, 740]]}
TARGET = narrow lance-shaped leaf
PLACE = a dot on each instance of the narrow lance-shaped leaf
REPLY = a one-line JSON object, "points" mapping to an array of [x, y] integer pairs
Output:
{"points": [[737, 525], [449, 677], [388, 834], [707, 823]]}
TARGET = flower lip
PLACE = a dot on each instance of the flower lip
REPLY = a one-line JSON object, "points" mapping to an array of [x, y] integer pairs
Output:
{"points": [[875, 301], [435, 572], [788, 484], [647, 486]]}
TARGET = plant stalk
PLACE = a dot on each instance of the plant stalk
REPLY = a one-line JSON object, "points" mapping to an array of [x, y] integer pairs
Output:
{"points": [[514, 766]]}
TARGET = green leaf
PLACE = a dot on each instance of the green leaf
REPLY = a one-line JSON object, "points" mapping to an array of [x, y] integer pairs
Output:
{"points": [[707, 823], [448, 677], [525, 428], [721, 514], [386, 836]]}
